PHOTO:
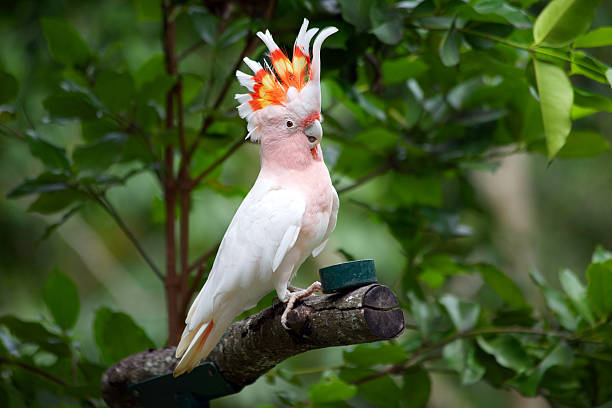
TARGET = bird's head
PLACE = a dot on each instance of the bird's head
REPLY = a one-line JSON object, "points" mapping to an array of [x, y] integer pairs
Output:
{"points": [[284, 101]]}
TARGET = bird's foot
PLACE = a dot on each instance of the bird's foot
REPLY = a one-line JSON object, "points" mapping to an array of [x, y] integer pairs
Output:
{"points": [[297, 295]]}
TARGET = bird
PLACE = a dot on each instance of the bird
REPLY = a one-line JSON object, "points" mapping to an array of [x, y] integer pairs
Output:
{"points": [[290, 211]]}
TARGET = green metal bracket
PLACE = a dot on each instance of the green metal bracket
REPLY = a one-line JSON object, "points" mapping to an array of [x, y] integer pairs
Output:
{"points": [[348, 275], [193, 390]]}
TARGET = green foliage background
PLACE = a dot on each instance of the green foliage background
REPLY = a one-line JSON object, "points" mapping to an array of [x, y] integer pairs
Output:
{"points": [[469, 141]]}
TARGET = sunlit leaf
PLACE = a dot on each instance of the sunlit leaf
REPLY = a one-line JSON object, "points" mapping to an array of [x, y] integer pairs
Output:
{"points": [[599, 289], [562, 21], [460, 356], [599, 37], [463, 314], [577, 293], [449, 47], [556, 98], [584, 143], [331, 389]]}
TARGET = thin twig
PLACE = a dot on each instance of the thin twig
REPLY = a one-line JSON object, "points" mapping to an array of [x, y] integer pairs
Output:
{"points": [[191, 49], [378, 172], [424, 352], [115, 215], [233, 148]]}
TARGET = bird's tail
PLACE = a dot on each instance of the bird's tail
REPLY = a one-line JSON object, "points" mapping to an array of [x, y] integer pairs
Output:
{"points": [[196, 344]]}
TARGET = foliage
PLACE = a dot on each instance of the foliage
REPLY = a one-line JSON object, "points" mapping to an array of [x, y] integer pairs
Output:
{"points": [[417, 94]]}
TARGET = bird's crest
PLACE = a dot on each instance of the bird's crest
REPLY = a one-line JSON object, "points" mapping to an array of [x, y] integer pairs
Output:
{"points": [[287, 80]]}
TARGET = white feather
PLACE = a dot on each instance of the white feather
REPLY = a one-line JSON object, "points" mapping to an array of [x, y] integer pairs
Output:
{"points": [[268, 40], [244, 109], [242, 98], [286, 243], [245, 80], [254, 65]]}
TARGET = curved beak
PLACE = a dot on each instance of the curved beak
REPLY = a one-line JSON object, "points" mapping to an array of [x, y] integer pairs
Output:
{"points": [[314, 133]]}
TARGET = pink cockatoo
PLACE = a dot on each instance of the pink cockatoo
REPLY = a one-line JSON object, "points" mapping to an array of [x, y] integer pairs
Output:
{"points": [[291, 209]]}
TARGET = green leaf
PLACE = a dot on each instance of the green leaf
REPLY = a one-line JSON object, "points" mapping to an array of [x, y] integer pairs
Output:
{"points": [[35, 333], [387, 23], [117, 336], [45, 182], [115, 90], [585, 143], [52, 156], [101, 154], [515, 16], [416, 388], [556, 301], [463, 314], [401, 69], [587, 103], [234, 32], [562, 21], [409, 189], [331, 389], [9, 88], [601, 255], [528, 383], [70, 105], [449, 47], [381, 392], [367, 355], [599, 37], [192, 86], [357, 13], [505, 287], [508, 352], [577, 294], [150, 70], [583, 64], [556, 98], [460, 356], [65, 43], [426, 315], [481, 42], [599, 288], [204, 23], [149, 10], [7, 114], [55, 201], [62, 299]]}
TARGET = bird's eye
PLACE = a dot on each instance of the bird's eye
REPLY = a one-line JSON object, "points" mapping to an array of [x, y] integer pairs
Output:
{"points": [[289, 124]]}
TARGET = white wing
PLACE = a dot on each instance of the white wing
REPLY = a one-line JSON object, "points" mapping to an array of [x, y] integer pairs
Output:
{"points": [[331, 225], [261, 233]]}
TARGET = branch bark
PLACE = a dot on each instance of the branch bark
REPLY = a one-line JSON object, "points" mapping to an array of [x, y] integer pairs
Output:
{"points": [[254, 345]]}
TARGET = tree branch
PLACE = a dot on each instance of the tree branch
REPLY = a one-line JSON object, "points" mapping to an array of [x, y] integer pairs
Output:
{"points": [[366, 178], [253, 346], [107, 206]]}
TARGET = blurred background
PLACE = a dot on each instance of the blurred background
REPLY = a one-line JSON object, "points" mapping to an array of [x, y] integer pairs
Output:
{"points": [[532, 214]]}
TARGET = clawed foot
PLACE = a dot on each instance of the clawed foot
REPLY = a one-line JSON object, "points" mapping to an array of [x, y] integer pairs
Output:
{"points": [[296, 295]]}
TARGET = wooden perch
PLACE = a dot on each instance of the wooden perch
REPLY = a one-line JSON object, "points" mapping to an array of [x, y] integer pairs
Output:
{"points": [[254, 345]]}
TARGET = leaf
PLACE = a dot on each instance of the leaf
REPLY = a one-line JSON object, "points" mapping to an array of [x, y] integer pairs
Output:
{"points": [[45, 182], [55, 201], [52, 156], [505, 287], [234, 32], [577, 294], [528, 383], [416, 388], [481, 42], [587, 103], [410, 189], [449, 47], [556, 98], [601, 255], [9, 87], [585, 143], [562, 21], [117, 336], [62, 299], [35, 333], [599, 37], [387, 23], [401, 69], [115, 90], [381, 392], [367, 355], [599, 288], [331, 389], [463, 314], [65, 44], [460, 356], [583, 64], [426, 315], [556, 301], [204, 23], [357, 13], [192, 85], [7, 114], [508, 352], [515, 16], [70, 105], [149, 10], [101, 154]]}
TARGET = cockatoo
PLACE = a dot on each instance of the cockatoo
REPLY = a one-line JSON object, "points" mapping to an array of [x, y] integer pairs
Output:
{"points": [[291, 209]]}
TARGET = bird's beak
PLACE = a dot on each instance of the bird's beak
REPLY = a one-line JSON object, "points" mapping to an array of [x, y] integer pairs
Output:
{"points": [[314, 133]]}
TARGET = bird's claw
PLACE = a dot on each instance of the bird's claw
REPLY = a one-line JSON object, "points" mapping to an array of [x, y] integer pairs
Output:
{"points": [[297, 295]]}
